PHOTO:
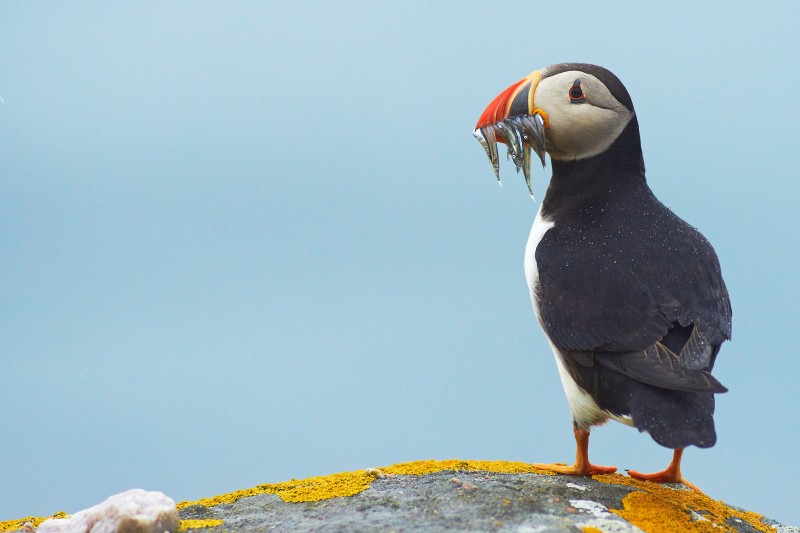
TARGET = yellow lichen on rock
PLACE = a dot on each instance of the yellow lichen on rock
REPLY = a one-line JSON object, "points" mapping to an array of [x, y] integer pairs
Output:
{"points": [[351, 483], [656, 515], [418, 468], [322, 488], [305, 490], [198, 524], [14, 525], [589, 529], [658, 508]]}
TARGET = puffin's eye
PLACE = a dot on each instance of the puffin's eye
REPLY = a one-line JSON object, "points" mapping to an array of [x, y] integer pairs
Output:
{"points": [[576, 93]]}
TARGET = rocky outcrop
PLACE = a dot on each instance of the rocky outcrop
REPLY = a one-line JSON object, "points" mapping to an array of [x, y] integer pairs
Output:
{"points": [[426, 496], [470, 496]]}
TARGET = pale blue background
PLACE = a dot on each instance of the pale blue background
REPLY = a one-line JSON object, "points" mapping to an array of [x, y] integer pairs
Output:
{"points": [[246, 242]]}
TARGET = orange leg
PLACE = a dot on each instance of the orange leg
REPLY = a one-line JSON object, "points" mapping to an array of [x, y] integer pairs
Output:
{"points": [[672, 474], [582, 466]]}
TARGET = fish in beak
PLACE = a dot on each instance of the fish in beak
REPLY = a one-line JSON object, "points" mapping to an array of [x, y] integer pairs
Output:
{"points": [[513, 119]]}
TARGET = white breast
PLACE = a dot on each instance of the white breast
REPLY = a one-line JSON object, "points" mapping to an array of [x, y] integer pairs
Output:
{"points": [[540, 227]]}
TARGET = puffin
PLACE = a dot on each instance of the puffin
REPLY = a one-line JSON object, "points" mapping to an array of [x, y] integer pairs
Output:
{"points": [[630, 297]]}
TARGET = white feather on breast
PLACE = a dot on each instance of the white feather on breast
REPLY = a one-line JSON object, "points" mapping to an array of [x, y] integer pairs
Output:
{"points": [[539, 228]]}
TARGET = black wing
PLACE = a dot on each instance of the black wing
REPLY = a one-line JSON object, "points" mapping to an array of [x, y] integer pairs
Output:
{"points": [[640, 289]]}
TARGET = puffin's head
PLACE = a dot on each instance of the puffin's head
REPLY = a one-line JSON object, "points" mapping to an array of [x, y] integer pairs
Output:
{"points": [[570, 110]]}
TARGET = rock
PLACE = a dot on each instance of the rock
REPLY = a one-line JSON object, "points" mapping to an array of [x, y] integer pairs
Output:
{"points": [[468, 496], [431, 496], [133, 511]]}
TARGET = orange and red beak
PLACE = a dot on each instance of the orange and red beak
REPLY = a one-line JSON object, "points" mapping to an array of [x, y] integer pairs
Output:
{"points": [[512, 118]]}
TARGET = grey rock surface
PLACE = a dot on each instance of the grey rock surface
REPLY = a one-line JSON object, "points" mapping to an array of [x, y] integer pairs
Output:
{"points": [[461, 501]]}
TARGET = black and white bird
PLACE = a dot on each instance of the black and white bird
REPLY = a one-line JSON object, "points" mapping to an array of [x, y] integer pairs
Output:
{"points": [[629, 295]]}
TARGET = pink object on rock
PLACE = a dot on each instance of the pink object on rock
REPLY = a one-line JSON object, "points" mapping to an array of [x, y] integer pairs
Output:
{"points": [[133, 511]]}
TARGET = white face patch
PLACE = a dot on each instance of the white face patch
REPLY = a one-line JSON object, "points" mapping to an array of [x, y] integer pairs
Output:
{"points": [[578, 131]]}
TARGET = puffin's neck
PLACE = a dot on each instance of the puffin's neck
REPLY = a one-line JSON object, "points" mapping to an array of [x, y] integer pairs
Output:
{"points": [[618, 169]]}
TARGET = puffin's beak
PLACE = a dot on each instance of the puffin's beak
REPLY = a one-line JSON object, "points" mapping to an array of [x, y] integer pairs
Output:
{"points": [[513, 118]]}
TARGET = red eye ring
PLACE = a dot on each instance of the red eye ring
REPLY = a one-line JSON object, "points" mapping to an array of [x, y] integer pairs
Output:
{"points": [[576, 95]]}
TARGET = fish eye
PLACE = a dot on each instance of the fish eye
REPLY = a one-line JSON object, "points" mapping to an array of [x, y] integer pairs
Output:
{"points": [[576, 95]]}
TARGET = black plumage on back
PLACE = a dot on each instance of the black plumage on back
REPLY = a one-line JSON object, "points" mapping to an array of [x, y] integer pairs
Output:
{"points": [[632, 296]]}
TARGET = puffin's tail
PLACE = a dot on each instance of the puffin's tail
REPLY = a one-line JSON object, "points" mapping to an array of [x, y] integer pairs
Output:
{"points": [[674, 418]]}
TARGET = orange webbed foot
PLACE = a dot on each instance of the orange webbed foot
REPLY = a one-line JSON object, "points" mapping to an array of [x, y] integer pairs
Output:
{"points": [[587, 469], [665, 476], [672, 474], [582, 466]]}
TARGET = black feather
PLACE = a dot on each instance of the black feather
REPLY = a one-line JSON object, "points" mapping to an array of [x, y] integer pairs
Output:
{"points": [[660, 367]]}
